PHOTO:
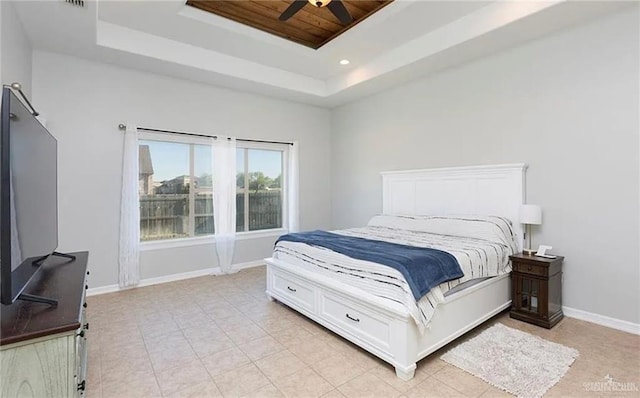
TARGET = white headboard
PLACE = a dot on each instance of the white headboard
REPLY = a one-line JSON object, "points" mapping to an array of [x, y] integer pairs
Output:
{"points": [[496, 190]]}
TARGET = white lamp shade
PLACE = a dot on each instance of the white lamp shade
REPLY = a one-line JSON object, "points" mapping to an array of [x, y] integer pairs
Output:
{"points": [[530, 214]]}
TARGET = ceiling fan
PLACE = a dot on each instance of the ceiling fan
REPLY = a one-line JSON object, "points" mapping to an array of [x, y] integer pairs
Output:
{"points": [[335, 6]]}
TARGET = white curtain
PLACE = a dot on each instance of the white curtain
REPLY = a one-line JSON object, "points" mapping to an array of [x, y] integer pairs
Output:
{"points": [[224, 199], [293, 216], [129, 258]]}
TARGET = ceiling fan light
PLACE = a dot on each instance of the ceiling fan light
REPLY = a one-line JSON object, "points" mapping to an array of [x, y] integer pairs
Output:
{"points": [[319, 3]]}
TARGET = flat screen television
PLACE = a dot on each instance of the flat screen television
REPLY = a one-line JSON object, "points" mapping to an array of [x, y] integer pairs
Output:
{"points": [[28, 198]]}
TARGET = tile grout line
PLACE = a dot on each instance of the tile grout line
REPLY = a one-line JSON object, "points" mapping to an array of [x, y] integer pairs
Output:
{"points": [[112, 316]]}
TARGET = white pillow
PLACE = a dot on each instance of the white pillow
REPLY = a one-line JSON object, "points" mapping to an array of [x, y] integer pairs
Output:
{"points": [[487, 228]]}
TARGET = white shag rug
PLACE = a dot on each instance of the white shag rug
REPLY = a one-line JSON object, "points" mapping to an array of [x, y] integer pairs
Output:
{"points": [[514, 361]]}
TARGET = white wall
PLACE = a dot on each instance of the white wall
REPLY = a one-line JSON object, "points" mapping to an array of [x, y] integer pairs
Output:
{"points": [[567, 105], [15, 50], [83, 103], [2, 6]]}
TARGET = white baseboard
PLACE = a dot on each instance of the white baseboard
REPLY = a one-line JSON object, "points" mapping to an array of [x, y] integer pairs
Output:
{"points": [[176, 277], [94, 291], [173, 277], [613, 323], [248, 264]]}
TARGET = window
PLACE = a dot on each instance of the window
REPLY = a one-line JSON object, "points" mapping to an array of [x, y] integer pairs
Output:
{"points": [[259, 190], [176, 199], [176, 192]]}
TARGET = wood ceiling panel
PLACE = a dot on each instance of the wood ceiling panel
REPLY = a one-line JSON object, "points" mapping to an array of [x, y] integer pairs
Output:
{"points": [[261, 8], [328, 24], [355, 11], [259, 21], [311, 26]]}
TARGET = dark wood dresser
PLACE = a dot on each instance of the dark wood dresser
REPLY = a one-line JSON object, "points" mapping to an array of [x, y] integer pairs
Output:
{"points": [[43, 348], [536, 289]]}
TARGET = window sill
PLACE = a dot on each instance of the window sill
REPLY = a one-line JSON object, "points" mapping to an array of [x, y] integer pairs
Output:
{"points": [[207, 240], [267, 233]]}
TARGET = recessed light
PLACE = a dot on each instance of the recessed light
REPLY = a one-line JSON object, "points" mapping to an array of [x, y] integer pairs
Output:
{"points": [[344, 62]]}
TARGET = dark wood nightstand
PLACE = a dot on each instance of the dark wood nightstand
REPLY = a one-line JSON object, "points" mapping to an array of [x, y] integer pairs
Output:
{"points": [[536, 285]]}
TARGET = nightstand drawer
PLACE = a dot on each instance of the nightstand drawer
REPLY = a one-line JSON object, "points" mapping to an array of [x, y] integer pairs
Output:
{"points": [[530, 269]]}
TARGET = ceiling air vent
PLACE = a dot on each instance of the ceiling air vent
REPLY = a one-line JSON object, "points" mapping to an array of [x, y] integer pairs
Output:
{"points": [[77, 3]]}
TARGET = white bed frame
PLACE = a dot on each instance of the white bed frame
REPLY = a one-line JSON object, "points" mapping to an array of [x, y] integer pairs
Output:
{"points": [[383, 327]]}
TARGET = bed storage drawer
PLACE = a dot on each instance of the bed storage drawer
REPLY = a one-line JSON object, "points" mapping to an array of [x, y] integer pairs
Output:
{"points": [[295, 290], [355, 318]]}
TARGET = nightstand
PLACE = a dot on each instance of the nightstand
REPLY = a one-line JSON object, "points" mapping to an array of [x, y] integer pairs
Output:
{"points": [[536, 285]]}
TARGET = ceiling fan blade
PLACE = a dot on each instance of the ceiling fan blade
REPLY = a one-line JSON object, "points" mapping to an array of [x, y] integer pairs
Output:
{"points": [[292, 9], [340, 11]]}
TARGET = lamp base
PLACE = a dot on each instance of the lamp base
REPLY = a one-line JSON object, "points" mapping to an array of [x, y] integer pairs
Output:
{"points": [[529, 252]]}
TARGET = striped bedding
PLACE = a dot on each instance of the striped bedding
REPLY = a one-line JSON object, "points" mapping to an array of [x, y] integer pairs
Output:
{"points": [[481, 244]]}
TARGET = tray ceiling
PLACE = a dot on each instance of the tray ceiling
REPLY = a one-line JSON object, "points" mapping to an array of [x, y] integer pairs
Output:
{"points": [[311, 26], [403, 41]]}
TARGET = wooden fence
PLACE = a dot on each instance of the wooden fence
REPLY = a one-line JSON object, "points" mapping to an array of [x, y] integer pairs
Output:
{"points": [[167, 216], [265, 210]]}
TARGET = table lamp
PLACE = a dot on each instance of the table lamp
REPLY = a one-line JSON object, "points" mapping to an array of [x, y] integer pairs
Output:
{"points": [[530, 215]]}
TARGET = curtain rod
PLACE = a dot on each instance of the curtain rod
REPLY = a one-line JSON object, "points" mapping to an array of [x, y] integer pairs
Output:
{"points": [[122, 126]]}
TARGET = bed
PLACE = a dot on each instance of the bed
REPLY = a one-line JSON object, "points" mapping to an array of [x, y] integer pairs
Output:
{"points": [[384, 324]]}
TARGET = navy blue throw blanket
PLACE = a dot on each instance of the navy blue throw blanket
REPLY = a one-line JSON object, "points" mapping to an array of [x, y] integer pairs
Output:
{"points": [[423, 268]]}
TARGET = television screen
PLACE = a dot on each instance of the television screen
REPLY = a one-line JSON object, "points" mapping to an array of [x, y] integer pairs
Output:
{"points": [[29, 182]]}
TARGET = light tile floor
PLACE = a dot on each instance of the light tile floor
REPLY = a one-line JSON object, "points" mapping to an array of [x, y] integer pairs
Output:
{"points": [[220, 336]]}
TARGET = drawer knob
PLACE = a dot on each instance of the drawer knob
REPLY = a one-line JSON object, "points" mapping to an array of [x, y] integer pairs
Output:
{"points": [[529, 268], [353, 319], [291, 289]]}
